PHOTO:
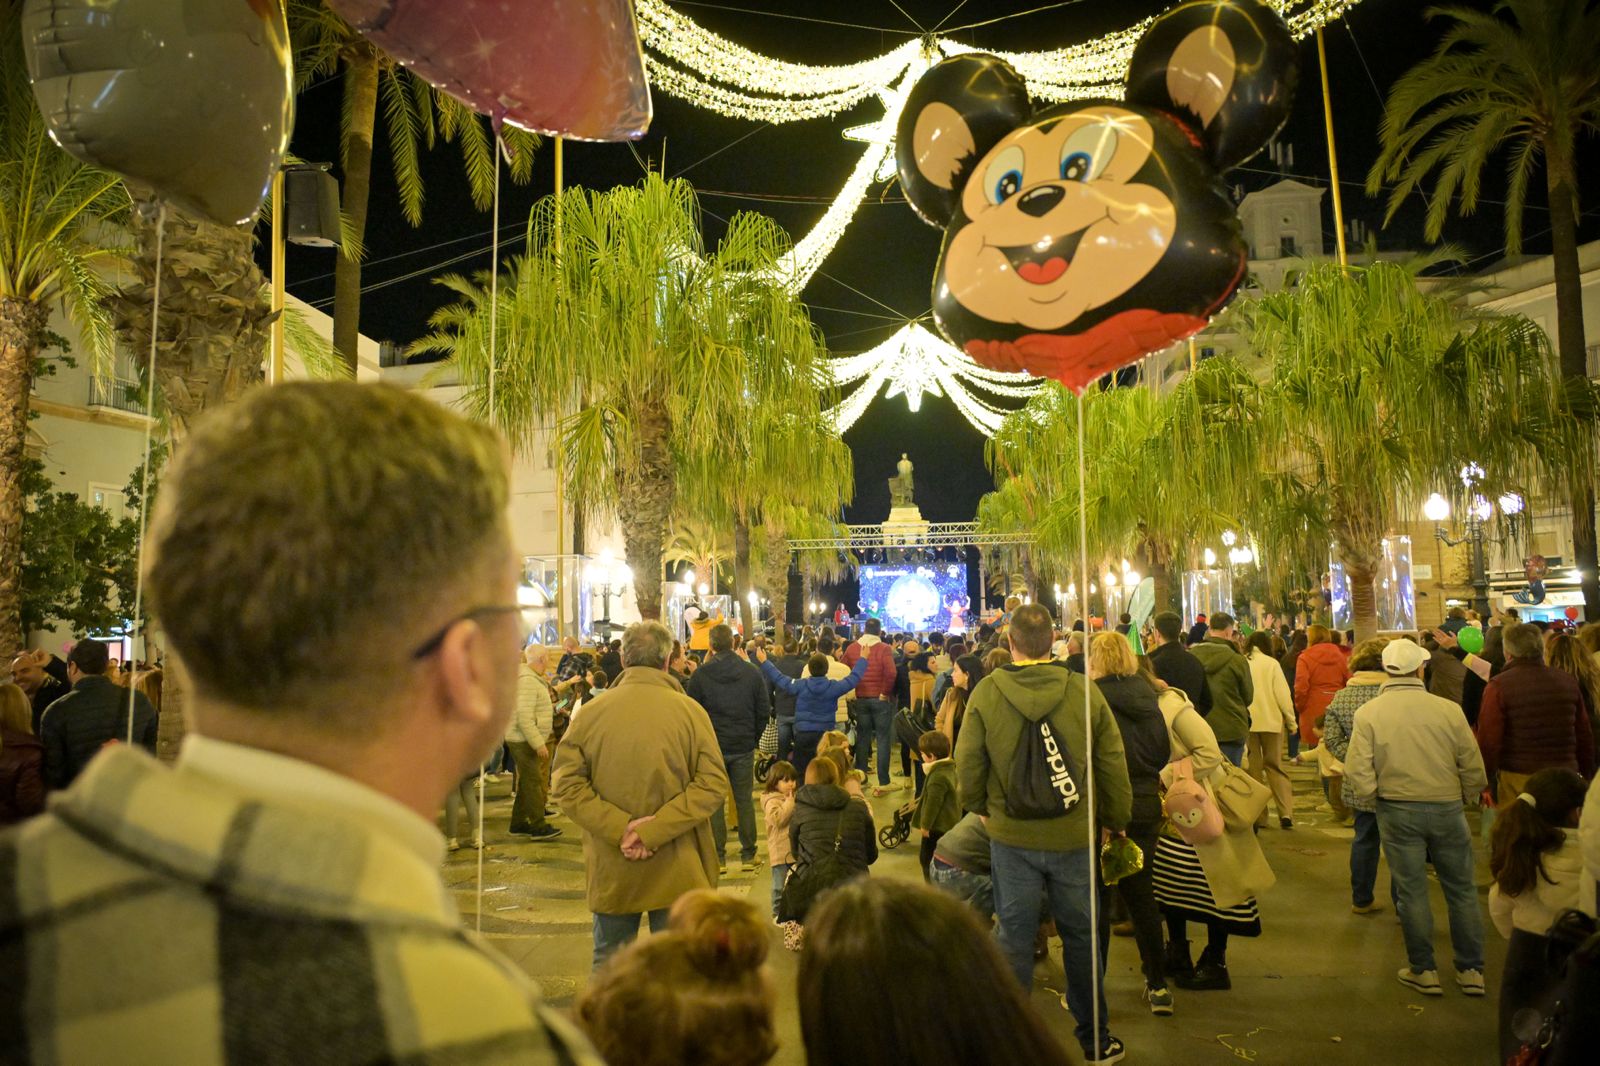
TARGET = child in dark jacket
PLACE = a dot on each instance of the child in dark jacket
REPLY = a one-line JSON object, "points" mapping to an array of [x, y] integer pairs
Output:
{"points": [[815, 701], [939, 809]]}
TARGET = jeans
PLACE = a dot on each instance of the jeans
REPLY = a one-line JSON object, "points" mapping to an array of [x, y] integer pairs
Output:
{"points": [[975, 890], [741, 778], [1138, 892], [805, 749], [1067, 878], [1412, 832], [1364, 851], [780, 874], [785, 738], [613, 932], [1233, 750], [875, 718]]}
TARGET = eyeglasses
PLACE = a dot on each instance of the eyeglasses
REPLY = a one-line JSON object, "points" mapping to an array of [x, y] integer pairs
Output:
{"points": [[431, 645]]}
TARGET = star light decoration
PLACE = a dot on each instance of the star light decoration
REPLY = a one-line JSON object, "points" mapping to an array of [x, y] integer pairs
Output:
{"points": [[690, 62]]}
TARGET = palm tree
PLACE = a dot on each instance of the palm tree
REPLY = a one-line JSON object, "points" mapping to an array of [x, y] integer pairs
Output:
{"points": [[416, 117], [1523, 79], [694, 541], [57, 219], [1375, 392], [643, 348], [771, 556]]}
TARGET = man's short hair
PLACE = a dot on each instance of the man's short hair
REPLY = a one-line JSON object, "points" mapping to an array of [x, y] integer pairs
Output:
{"points": [[1524, 641], [873, 626], [722, 637], [826, 644], [1032, 630], [1168, 624], [936, 639], [817, 665], [646, 644], [1221, 622], [90, 657], [309, 537]]}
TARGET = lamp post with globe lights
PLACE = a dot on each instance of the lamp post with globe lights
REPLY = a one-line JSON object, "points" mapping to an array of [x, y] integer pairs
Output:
{"points": [[613, 576], [1479, 511]]}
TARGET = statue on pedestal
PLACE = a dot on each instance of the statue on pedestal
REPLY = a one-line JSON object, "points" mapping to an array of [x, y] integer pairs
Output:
{"points": [[900, 485]]}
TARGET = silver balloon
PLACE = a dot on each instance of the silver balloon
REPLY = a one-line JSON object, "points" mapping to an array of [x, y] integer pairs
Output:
{"points": [[193, 99]]}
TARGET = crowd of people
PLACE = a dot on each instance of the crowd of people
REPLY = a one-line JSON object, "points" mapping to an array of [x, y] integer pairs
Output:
{"points": [[277, 887]]}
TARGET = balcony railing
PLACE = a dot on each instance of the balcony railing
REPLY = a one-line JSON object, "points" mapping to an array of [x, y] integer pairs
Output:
{"points": [[118, 393]]}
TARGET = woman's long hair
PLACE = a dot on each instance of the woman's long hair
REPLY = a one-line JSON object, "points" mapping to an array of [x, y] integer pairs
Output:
{"points": [[957, 696], [1524, 831], [1567, 653], [895, 972]]}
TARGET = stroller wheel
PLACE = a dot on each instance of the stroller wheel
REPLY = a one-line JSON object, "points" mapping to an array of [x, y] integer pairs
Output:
{"points": [[887, 837]]}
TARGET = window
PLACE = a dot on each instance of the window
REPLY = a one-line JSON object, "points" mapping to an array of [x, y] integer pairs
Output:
{"points": [[108, 498], [1288, 246]]}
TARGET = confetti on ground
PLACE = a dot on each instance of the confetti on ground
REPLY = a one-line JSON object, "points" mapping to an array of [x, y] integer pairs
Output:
{"points": [[496, 888], [1414, 1008], [1247, 1054]]}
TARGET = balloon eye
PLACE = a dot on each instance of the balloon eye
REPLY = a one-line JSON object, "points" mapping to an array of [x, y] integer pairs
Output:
{"points": [[1076, 167], [1007, 186]]}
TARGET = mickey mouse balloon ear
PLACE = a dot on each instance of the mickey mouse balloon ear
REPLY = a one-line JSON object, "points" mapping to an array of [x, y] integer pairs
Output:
{"points": [[953, 115], [1228, 66]]}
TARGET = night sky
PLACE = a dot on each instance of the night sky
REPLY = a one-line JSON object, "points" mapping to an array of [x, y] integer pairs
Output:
{"points": [[879, 275]]}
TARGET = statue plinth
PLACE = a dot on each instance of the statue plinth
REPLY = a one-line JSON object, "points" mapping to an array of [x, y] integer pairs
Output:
{"points": [[906, 521]]}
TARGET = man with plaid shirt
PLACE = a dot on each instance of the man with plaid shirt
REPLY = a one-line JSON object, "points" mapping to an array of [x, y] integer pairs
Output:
{"points": [[331, 565]]}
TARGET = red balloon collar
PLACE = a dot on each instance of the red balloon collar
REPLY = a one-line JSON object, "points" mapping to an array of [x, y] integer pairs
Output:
{"points": [[1078, 359]]}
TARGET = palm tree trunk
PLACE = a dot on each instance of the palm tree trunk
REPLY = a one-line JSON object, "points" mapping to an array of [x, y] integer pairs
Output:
{"points": [[1574, 365], [212, 340], [1161, 574], [741, 575], [648, 488], [22, 324], [775, 577], [361, 90], [1030, 576]]}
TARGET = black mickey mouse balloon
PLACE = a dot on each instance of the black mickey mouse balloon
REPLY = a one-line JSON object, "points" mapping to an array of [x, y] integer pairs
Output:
{"points": [[1083, 236]]}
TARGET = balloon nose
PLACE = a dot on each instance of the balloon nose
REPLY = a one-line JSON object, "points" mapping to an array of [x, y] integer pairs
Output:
{"points": [[1039, 202]]}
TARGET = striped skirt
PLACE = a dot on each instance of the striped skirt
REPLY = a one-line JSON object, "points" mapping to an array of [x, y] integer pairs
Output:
{"points": [[1182, 891]]}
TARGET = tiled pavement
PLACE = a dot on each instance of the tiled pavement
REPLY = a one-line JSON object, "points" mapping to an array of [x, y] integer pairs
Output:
{"points": [[1318, 986]]}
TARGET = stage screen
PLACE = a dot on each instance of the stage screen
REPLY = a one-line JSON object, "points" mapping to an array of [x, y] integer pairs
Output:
{"points": [[916, 597]]}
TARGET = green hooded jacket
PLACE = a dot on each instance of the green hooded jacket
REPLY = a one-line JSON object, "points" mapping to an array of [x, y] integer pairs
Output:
{"points": [[996, 712], [1228, 679]]}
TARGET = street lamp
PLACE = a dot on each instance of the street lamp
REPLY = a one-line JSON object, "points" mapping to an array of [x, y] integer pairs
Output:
{"points": [[1209, 557], [1131, 579], [702, 588], [612, 576], [1229, 538], [1436, 509], [1479, 512]]}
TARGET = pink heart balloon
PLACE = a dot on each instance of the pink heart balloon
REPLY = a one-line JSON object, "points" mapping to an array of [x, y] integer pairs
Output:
{"points": [[569, 68]]}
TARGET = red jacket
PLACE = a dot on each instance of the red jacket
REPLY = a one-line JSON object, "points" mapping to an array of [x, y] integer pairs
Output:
{"points": [[1534, 717], [878, 682], [1319, 673]]}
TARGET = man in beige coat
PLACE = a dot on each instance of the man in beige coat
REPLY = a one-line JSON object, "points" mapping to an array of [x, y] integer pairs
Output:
{"points": [[641, 774]]}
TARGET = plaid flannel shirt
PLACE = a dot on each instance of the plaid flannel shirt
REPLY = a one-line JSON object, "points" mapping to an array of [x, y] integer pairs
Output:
{"points": [[153, 917]]}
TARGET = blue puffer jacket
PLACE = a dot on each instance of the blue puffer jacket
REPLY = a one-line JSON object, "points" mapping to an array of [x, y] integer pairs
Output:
{"points": [[816, 699]]}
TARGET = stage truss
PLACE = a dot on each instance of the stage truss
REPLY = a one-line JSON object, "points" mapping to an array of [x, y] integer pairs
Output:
{"points": [[930, 535]]}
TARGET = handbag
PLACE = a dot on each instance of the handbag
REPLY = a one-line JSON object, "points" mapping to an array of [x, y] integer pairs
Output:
{"points": [[1190, 807], [910, 723], [1241, 797], [807, 883], [768, 744]]}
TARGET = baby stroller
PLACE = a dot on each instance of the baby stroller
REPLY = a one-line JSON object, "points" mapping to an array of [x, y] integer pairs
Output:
{"points": [[898, 831]]}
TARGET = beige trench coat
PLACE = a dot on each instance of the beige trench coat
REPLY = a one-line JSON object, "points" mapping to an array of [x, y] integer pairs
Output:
{"points": [[642, 748]]}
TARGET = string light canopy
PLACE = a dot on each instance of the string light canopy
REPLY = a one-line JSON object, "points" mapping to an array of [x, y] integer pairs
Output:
{"points": [[708, 70]]}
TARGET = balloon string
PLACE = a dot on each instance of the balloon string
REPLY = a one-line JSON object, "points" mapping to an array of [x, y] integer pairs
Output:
{"points": [[144, 476], [1088, 729], [494, 318]]}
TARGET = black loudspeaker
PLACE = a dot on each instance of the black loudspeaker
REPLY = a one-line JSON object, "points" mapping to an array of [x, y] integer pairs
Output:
{"points": [[310, 206]]}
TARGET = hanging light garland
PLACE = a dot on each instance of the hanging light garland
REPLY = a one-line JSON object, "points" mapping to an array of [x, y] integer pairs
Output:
{"points": [[712, 72]]}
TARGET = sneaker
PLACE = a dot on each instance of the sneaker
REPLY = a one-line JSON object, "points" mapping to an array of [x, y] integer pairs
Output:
{"points": [[1111, 1051], [549, 832], [1160, 1000], [1285, 823], [1121, 928], [452, 844], [1470, 982], [1366, 908], [749, 866], [1426, 982], [477, 844]]}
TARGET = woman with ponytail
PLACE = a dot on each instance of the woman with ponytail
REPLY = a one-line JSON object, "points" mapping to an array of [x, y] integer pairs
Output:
{"points": [[1535, 859], [698, 993]]}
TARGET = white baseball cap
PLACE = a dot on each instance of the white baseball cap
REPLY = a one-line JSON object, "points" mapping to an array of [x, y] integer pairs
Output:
{"points": [[1403, 656]]}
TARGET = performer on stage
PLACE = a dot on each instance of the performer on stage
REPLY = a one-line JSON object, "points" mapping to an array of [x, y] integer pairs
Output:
{"points": [[957, 606]]}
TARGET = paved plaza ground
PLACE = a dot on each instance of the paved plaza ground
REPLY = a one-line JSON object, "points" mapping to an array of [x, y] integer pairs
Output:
{"points": [[1317, 987]]}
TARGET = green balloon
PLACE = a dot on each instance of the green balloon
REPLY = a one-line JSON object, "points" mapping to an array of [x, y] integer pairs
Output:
{"points": [[1471, 639]]}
